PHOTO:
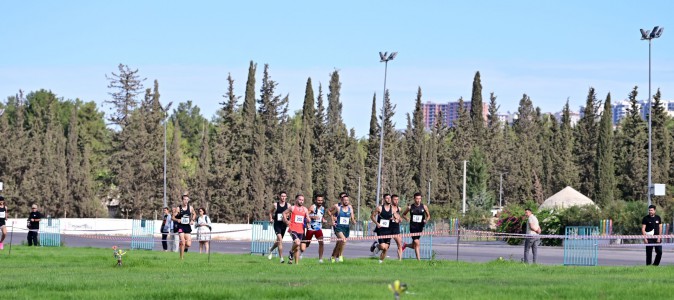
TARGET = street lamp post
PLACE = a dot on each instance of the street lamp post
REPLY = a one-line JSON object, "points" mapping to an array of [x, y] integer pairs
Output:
{"points": [[385, 58], [500, 190], [165, 121], [650, 35]]}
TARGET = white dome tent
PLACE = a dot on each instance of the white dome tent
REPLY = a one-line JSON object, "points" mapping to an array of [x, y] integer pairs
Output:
{"points": [[566, 198]]}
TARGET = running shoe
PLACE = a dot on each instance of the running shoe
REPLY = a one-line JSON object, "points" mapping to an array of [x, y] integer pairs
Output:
{"points": [[332, 260], [270, 256], [404, 247], [282, 261], [290, 255], [374, 245], [381, 261], [320, 261], [341, 259]]}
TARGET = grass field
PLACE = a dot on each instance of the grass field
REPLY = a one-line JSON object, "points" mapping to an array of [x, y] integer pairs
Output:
{"points": [[90, 273]]}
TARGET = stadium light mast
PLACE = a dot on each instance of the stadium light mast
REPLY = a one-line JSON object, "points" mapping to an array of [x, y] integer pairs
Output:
{"points": [[385, 58], [650, 35], [165, 121]]}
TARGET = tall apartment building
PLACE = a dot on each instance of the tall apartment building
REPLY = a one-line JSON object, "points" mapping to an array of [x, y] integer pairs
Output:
{"points": [[449, 112]]}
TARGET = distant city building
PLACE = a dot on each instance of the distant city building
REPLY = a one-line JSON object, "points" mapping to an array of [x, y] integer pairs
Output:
{"points": [[573, 116], [620, 109], [449, 112]]}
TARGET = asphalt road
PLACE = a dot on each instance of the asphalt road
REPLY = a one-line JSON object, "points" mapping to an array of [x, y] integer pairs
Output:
{"points": [[445, 248]]}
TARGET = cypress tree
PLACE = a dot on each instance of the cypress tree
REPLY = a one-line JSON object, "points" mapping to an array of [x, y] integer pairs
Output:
{"points": [[632, 163], [586, 145], [605, 162], [660, 141], [372, 157], [307, 139], [566, 173], [476, 116]]}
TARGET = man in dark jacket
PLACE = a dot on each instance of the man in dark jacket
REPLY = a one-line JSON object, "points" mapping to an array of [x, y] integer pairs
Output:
{"points": [[33, 225]]}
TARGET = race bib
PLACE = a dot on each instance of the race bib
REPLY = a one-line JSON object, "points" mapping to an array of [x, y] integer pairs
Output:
{"points": [[2, 214], [279, 217], [417, 218], [383, 223], [343, 221], [299, 219], [185, 220]]}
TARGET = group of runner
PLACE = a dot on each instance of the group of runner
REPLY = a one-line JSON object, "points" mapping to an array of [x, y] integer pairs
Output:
{"points": [[303, 224]]}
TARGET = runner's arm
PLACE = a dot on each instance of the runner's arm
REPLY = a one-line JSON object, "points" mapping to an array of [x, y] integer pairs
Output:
{"points": [[286, 215], [373, 216], [353, 217], [428, 213], [404, 215], [271, 212]]}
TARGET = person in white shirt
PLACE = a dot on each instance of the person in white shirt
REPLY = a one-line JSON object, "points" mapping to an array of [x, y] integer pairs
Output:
{"points": [[532, 240], [203, 230]]}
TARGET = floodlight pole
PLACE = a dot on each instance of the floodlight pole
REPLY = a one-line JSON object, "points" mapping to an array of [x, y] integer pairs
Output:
{"points": [[650, 35], [385, 59], [464, 187]]}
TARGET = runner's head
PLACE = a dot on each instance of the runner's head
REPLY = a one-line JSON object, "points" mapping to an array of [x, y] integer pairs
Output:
{"points": [[186, 199], [345, 199], [318, 200], [299, 200], [2, 200], [282, 196], [387, 199], [417, 198], [395, 199]]}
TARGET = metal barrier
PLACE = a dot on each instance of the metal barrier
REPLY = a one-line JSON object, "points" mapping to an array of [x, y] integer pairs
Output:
{"points": [[425, 242], [580, 252], [263, 237], [50, 232], [142, 234]]}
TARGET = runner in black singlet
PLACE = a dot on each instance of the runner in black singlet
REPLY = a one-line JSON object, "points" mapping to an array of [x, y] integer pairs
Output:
{"points": [[276, 217]]}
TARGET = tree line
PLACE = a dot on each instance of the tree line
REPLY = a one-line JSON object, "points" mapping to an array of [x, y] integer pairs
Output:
{"points": [[68, 157]]}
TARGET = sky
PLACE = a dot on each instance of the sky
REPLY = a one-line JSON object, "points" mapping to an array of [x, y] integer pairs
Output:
{"points": [[549, 50]]}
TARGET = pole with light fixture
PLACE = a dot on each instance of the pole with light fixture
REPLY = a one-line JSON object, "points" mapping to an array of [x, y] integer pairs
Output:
{"points": [[385, 58], [650, 35]]}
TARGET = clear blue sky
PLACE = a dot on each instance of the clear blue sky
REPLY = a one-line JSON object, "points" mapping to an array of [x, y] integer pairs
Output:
{"points": [[551, 50]]}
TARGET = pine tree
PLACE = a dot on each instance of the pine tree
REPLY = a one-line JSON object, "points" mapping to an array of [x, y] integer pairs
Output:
{"points": [[126, 86], [318, 149], [415, 147], [525, 154], [605, 173], [174, 169]]}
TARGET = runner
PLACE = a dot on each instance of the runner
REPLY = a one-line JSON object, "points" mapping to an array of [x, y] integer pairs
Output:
{"points": [[316, 214], [395, 224], [276, 217], [381, 217], [185, 218], [342, 216], [296, 217], [420, 216], [3, 218]]}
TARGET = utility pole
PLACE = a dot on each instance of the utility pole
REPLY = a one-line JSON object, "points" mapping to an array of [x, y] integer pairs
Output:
{"points": [[429, 191]]}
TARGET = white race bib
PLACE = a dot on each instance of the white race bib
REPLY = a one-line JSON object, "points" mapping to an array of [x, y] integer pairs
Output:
{"points": [[279, 217], [383, 223], [2, 214], [299, 219], [417, 218], [343, 221], [185, 220]]}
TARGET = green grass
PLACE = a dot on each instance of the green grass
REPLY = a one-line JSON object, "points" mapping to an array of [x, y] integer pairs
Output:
{"points": [[90, 273]]}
